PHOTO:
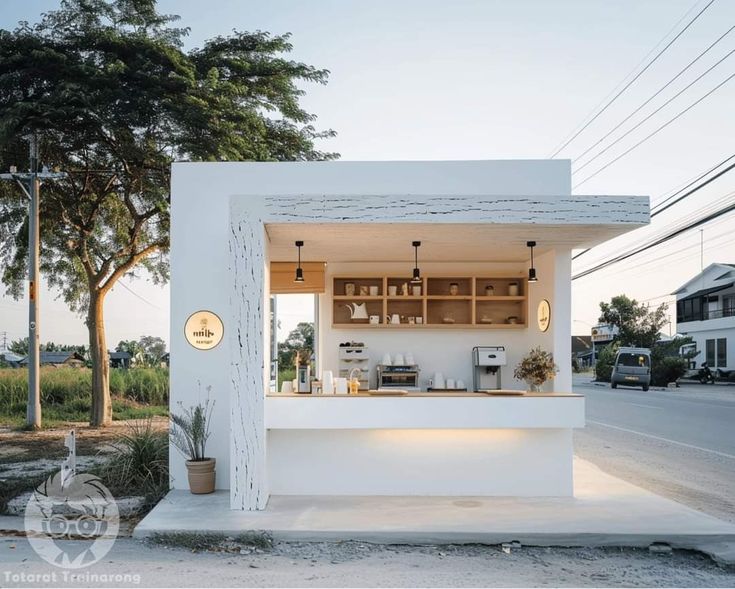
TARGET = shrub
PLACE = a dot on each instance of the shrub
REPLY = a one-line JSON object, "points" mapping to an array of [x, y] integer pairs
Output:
{"points": [[139, 463], [605, 362], [667, 369]]}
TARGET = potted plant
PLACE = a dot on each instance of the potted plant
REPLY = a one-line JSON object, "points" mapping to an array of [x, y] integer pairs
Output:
{"points": [[189, 433], [536, 368]]}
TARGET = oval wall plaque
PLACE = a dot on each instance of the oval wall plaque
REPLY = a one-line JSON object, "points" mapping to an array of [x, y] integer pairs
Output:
{"points": [[203, 330], [543, 315]]}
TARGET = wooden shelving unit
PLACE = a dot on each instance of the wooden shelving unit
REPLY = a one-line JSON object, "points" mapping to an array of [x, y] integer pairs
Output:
{"points": [[482, 302]]}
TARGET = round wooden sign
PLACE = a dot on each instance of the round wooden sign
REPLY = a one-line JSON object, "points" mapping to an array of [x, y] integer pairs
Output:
{"points": [[543, 315], [204, 330]]}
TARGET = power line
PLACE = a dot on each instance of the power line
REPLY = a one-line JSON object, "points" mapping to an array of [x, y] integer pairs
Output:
{"points": [[686, 194], [634, 127], [692, 180], [701, 221], [658, 130], [638, 75], [694, 190], [130, 290], [671, 81]]}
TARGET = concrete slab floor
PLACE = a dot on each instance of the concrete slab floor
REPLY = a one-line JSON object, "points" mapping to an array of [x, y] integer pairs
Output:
{"points": [[605, 511]]}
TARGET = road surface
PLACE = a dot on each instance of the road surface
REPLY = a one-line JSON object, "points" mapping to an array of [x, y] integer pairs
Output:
{"points": [[677, 443]]}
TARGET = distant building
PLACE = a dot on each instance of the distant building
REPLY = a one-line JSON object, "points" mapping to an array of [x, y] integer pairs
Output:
{"points": [[120, 359], [582, 349], [58, 359], [11, 359], [705, 311]]}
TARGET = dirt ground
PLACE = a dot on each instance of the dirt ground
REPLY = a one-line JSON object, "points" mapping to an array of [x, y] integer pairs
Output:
{"points": [[22, 446], [28, 457], [351, 564]]}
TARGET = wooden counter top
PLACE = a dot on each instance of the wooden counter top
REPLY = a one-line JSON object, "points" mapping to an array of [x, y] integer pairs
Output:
{"points": [[363, 394]]}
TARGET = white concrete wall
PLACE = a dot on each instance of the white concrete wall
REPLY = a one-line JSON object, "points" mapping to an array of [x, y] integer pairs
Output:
{"points": [[475, 462], [207, 238], [701, 337], [200, 231]]}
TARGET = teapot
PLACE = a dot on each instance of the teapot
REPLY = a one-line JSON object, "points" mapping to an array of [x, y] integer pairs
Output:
{"points": [[357, 310], [394, 319]]}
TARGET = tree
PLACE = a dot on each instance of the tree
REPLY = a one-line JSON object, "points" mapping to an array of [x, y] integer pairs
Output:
{"points": [[638, 324], [153, 349], [300, 341], [19, 346], [115, 99]]}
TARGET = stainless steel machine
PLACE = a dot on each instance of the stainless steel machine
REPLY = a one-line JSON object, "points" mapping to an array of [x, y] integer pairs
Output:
{"points": [[398, 377], [486, 364]]}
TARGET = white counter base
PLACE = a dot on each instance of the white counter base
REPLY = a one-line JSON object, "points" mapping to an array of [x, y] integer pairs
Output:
{"points": [[436, 462]]}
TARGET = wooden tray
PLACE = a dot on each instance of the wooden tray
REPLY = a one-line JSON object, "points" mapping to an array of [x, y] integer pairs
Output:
{"points": [[387, 393]]}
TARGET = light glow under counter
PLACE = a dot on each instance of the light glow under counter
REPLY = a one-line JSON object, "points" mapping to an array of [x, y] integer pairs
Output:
{"points": [[420, 410]]}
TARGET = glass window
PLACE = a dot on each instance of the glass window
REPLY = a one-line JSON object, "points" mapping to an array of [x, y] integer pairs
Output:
{"points": [[633, 360], [728, 305], [710, 352], [722, 352], [294, 322]]}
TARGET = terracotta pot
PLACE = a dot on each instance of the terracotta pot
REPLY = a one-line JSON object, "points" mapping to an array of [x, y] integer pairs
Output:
{"points": [[201, 475]]}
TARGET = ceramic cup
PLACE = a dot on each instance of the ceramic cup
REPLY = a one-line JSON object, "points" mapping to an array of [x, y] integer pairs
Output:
{"points": [[392, 290], [350, 289], [374, 319], [327, 382], [416, 290], [419, 320], [340, 386], [450, 383], [364, 291], [373, 291]]}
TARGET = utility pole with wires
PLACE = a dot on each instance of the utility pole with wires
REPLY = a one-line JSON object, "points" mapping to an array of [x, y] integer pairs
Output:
{"points": [[30, 184]]}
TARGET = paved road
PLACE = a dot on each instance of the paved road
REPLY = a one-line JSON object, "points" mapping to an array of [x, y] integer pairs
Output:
{"points": [[677, 443]]}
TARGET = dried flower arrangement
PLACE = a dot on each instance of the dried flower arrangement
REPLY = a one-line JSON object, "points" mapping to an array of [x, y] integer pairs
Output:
{"points": [[536, 368]]}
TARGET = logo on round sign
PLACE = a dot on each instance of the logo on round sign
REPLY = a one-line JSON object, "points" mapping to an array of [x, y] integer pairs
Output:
{"points": [[203, 330], [544, 315]]}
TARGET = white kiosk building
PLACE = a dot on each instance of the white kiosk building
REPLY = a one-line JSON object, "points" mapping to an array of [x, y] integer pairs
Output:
{"points": [[234, 229]]}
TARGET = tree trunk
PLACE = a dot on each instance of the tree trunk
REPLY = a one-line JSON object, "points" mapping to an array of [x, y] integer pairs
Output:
{"points": [[101, 405]]}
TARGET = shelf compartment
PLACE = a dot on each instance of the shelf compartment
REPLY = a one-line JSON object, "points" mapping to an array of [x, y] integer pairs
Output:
{"points": [[398, 282], [341, 312], [459, 310], [499, 311], [440, 286], [339, 284], [500, 286], [406, 307]]}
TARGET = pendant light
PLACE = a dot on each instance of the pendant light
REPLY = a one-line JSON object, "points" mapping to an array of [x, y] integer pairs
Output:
{"points": [[299, 271], [531, 270], [416, 272]]}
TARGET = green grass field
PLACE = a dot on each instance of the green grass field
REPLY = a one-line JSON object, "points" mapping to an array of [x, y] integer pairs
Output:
{"points": [[66, 394]]}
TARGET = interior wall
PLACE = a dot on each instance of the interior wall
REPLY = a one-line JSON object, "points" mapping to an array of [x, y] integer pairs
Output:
{"points": [[445, 350]]}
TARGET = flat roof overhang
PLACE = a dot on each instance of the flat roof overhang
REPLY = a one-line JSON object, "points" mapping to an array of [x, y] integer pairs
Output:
{"points": [[440, 242]]}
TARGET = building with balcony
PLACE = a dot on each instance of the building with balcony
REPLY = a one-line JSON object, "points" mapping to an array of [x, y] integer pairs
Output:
{"points": [[705, 311]]}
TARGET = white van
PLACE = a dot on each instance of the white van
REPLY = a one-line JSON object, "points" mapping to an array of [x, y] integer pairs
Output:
{"points": [[632, 368]]}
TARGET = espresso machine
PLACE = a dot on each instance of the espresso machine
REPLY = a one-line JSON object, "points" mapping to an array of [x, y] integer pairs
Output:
{"points": [[486, 364]]}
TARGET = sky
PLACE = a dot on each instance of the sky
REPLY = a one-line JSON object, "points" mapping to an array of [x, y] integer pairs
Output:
{"points": [[437, 80]]}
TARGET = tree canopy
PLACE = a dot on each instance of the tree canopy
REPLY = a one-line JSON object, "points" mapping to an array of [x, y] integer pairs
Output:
{"points": [[638, 324], [115, 98]]}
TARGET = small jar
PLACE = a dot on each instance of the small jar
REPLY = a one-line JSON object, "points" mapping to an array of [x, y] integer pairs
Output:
{"points": [[350, 289], [513, 289], [489, 290], [354, 386], [453, 288]]}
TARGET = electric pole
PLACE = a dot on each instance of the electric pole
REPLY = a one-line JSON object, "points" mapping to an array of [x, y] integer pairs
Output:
{"points": [[30, 183]]}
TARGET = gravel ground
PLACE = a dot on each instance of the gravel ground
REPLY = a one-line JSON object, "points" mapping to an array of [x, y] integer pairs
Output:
{"points": [[353, 564]]}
